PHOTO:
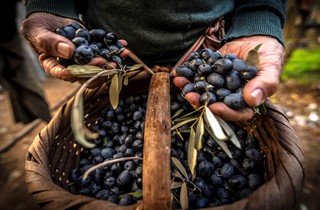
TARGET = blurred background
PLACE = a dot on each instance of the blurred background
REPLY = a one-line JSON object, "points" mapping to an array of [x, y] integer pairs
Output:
{"points": [[298, 95]]}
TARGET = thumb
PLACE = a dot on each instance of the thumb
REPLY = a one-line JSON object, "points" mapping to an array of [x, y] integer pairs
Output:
{"points": [[262, 86], [39, 29], [55, 45]]}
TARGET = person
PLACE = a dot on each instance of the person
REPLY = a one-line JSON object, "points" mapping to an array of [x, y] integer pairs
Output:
{"points": [[160, 32], [16, 74]]}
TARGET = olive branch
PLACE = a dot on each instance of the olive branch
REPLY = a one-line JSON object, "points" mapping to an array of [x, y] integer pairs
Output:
{"points": [[200, 120]]}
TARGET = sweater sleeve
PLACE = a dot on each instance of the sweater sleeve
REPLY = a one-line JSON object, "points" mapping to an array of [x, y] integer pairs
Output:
{"points": [[64, 8], [256, 17]]}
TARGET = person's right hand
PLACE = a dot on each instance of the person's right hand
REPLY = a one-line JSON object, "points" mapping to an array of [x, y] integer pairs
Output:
{"points": [[40, 30]]}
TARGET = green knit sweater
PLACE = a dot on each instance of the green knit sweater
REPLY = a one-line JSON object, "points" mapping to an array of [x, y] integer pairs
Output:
{"points": [[161, 31]]}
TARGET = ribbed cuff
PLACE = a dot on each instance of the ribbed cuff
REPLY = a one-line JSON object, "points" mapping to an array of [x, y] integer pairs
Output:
{"points": [[62, 8], [260, 22]]}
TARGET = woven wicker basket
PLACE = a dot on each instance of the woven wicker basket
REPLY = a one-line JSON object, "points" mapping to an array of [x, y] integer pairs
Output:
{"points": [[53, 154]]}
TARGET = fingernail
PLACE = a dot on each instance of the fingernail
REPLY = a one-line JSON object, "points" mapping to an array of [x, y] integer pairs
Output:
{"points": [[63, 49], [257, 97]]}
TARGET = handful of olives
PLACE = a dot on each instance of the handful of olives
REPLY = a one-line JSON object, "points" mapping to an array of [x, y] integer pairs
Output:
{"points": [[90, 44], [216, 78]]}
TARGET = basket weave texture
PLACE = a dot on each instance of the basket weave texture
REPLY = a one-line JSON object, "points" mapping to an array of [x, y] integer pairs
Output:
{"points": [[54, 153]]}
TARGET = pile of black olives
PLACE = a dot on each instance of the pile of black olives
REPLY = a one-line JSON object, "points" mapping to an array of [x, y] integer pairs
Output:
{"points": [[121, 133], [216, 78], [219, 179], [90, 44]]}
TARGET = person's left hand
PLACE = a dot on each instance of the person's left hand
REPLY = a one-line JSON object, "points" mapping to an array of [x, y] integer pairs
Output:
{"points": [[255, 92]]}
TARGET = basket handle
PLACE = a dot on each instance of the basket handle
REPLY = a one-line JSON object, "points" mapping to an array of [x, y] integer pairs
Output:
{"points": [[157, 142]]}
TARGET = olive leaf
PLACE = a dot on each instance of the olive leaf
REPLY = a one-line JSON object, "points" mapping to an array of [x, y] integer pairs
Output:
{"points": [[76, 121], [222, 144], [177, 113], [114, 91], [84, 70], [184, 201], [88, 71], [126, 79], [230, 133], [135, 67], [137, 194], [120, 82], [199, 133], [177, 174], [214, 125], [80, 131], [88, 134], [253, 57], [183, 123], [180, 167], [188, 115], [175, 185], [192, 153], [261, 109]]}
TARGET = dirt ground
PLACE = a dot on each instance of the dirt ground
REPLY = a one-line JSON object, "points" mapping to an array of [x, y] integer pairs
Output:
{"points": [[301, 103]]}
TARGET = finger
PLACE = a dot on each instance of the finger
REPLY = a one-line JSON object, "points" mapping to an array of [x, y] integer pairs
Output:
{"points": [[229, 114], [267, 80], [55, 45], [180, 82], [124, 42], [194, 99], [99, 61], [258, 89], [39, 30], [52, 66], [124, 54], [221, 109]]}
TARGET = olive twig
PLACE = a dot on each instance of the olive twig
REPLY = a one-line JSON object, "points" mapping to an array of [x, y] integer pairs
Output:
{"points": [[138, 60]]}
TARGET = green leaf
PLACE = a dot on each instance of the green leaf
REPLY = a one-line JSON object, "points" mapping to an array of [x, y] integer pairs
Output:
{"points": [[199, 133], [182, 123], [135, 67], [84, 70], [184, 118], [177, 113], [88, 134], [87, 71], [222, 144], [137, 194], [256, 48], [126, 79], [179, 165], [232, 136], [189, 115], [261, 109], [253, 57], [114, 91], [214, 125], [175, 185], [76, 122], [120, 82], [192, 153], [184, 201], [176, 173]]}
